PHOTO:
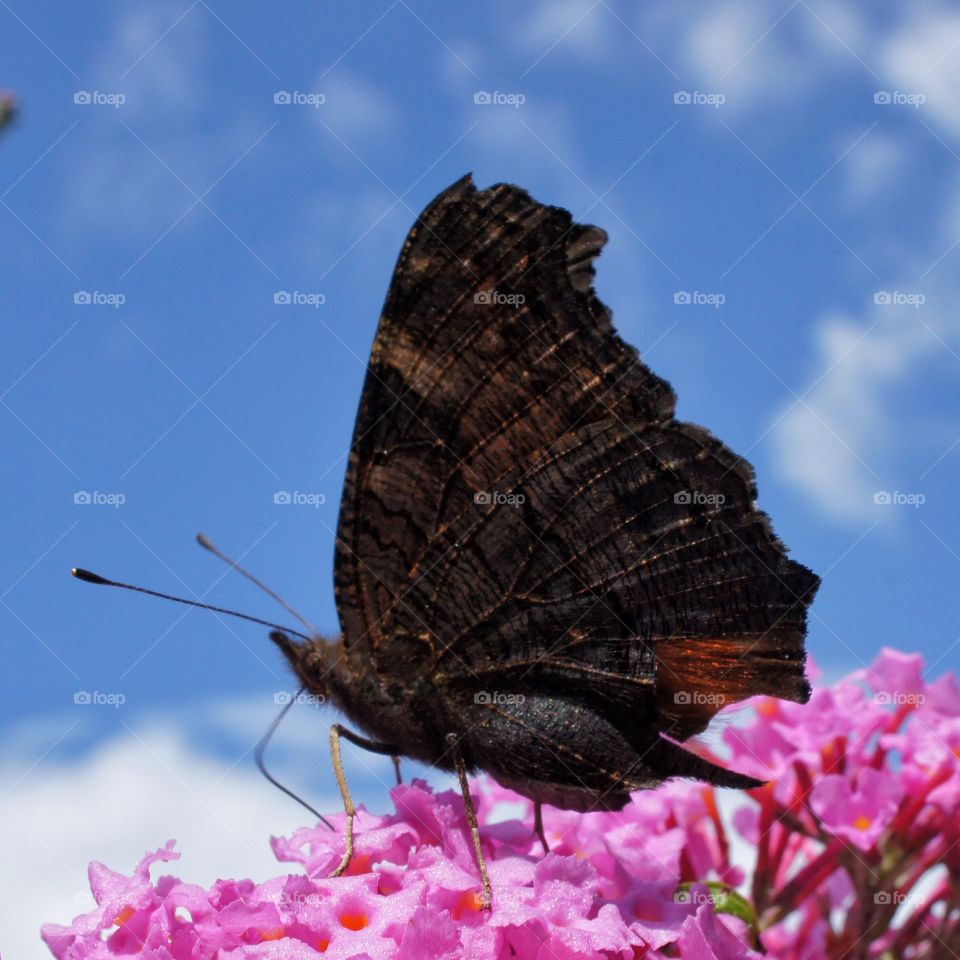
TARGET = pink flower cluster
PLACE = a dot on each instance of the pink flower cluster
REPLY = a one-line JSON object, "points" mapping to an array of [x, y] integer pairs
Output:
{"points": [[852, 850]]}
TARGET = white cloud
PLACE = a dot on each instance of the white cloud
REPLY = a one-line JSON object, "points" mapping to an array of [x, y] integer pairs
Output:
{"points": [[731, 51], [750, 52], [132, 793], [873, 167], [129, 160], [920, 56], [847, 439], [115, 181], [355, 108], [833, 445], [581, 26], [525, 144], [125, 798], [156, 70]]}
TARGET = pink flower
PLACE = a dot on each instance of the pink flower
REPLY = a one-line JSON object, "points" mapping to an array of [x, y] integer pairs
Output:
{"points": [[861, 811], [859, 814]]}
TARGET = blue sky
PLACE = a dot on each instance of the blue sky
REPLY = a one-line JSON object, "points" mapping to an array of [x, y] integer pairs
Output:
{"points": [[794, 164]]}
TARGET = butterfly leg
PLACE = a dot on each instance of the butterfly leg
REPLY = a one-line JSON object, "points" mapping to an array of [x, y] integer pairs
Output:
{"points": [[538, 825], [396, 768], [471, 818], [336, 732]]}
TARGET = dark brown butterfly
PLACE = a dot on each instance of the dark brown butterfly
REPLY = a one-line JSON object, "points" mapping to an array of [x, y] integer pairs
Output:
{"points": [[540, 573]]}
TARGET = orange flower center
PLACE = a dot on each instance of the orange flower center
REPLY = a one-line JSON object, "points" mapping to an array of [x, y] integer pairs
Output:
{"points": [[354, 921], [469, 901], [124, 915]]}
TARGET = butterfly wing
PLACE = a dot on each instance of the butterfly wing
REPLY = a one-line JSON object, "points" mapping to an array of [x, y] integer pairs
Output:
{"points": [[462, 386], [520, 504]]}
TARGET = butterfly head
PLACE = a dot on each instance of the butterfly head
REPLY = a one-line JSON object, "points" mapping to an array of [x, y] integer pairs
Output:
{"points": [[312, 660]]}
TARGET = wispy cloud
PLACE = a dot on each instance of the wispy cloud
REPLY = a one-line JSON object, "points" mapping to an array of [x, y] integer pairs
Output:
{"points": [[153, 782]]}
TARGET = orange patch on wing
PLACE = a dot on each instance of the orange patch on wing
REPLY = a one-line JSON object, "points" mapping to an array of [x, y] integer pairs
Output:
{"points": [[697, 677]]}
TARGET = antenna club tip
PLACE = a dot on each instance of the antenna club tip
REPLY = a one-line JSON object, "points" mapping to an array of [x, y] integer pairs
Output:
{"points": [[205, 542], [87, 576]]}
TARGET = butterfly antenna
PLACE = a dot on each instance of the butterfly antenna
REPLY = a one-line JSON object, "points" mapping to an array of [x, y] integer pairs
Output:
{"points": [[261, 766], [89, 577], [208, 544]]}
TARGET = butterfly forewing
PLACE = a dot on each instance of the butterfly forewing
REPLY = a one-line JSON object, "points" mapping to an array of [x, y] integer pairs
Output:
{"points": [[523, 514], [462, 387]]}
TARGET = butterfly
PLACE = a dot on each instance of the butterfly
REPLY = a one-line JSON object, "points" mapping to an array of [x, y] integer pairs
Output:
{"points": [[540, 573]]}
